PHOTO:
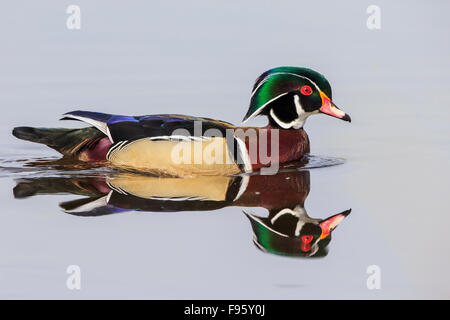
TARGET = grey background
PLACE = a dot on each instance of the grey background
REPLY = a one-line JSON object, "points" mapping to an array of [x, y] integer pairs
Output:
{"points": [[201, 58]]}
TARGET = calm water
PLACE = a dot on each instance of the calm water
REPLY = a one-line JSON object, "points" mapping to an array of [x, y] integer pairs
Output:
{"points": [[201, 60]]}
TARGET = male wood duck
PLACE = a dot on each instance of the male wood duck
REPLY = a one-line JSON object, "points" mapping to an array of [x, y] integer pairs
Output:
{"points": [[286, 95], [291, 232], [288, 230]]}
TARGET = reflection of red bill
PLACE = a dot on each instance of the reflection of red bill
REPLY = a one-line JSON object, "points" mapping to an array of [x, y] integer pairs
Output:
{"points": [[329, 108], [332, 222]]}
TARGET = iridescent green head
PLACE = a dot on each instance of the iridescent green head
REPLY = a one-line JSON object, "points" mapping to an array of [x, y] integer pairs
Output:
{"points": [[289, 95]]}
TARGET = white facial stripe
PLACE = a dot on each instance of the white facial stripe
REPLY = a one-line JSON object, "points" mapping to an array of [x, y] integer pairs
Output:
{"points": [[302, 114], [298, 212], [262, 107], [298, 106], [254, 114], [282, 124], [257, 219], [298, 227], [296, 123], [293, 74], [314, 248]]}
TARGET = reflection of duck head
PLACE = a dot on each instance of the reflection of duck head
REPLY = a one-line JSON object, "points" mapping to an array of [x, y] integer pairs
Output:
{"points": [[292, 232], [287, 230]]}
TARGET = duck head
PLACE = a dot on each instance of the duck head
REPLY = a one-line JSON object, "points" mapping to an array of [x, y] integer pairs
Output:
{"points": [[289, 95]]}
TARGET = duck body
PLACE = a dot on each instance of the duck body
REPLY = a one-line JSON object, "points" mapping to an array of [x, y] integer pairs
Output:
{"points": [[150, 143], [292, 146], [179, 145]]}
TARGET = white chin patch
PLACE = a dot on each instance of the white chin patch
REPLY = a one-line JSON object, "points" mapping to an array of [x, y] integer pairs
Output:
{"points": [[284, 125], [296, 123]]}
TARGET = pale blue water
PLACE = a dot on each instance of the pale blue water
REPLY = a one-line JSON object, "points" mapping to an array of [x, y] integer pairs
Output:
{"points": [[201, 58]]}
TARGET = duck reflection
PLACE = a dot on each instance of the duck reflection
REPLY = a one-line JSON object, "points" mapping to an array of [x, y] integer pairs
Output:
{"points": [[287, 230]]}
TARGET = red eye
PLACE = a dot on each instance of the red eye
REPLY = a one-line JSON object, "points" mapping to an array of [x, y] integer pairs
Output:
{"points": [[306, 90], [306, 243]]}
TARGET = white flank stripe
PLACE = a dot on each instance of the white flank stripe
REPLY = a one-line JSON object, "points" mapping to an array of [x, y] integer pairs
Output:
{"points": [[244, 155], [101, 202], [181, 137], [243, 187]]}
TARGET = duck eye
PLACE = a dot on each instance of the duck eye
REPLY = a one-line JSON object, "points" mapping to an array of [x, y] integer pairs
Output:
{"points": [[306, 90]]}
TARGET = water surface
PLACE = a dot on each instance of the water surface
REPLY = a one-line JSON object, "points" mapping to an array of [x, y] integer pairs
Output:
{"points": [[201, 59]]}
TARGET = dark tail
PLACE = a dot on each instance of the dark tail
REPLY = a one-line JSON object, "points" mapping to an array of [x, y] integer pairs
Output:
{"points": [[83, 186], [66, 141]]}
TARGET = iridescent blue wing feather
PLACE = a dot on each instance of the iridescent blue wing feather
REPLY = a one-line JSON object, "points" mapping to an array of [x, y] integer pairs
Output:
{"points": [[121, 128]]}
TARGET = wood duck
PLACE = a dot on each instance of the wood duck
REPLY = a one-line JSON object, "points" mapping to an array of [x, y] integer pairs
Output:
{"points": [[288, 230], [286, 95], [291, 232]]}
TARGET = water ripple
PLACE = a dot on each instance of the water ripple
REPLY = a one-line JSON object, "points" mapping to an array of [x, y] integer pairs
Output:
{"points": [[16, 166]]}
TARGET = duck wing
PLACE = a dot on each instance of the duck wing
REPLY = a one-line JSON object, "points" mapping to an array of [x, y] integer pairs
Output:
{"points": [[121, 128]]}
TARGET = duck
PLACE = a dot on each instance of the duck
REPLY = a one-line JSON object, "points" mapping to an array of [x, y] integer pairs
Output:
{"points": [[180, 145], [287, 230], [119, 191]]}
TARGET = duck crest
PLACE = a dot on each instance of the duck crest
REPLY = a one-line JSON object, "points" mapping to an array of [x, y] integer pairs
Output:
{"points": [[315, 76]]}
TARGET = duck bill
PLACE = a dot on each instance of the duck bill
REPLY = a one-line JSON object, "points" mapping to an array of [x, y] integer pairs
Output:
{"points": [[329, 108], [332, 222]]}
